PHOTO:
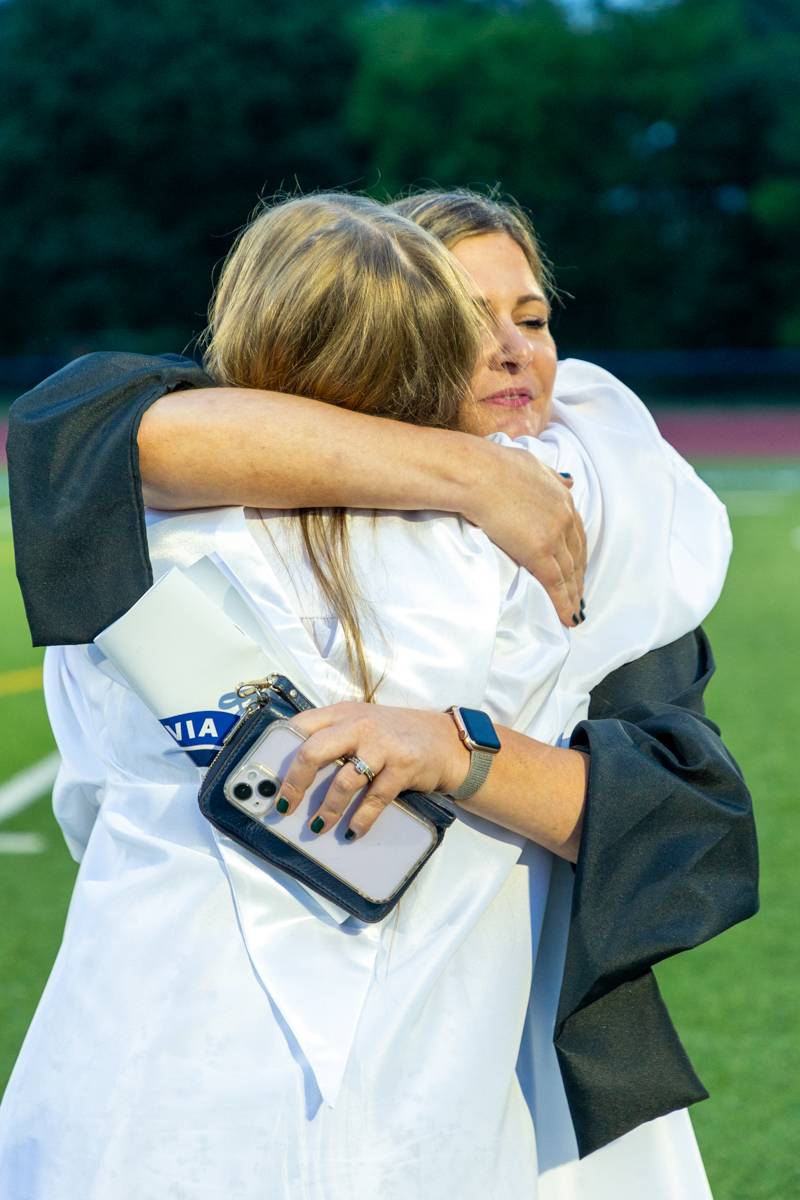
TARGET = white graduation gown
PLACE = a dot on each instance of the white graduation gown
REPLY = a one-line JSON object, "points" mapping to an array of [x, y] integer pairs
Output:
{"points": [[209, 1027]]}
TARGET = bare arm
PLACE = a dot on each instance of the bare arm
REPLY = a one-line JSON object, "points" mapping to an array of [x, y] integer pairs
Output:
{"points": [[533, 789], [217, 446]]}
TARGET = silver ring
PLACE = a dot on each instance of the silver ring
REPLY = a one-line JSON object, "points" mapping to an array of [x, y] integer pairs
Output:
{"points": [[360, 766]]}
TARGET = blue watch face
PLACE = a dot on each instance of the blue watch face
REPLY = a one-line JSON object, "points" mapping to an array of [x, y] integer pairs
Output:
{"points": [[480, 729]]}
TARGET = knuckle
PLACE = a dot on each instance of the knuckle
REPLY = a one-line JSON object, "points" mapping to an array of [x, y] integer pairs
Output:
{"points": [[405, 759], [365, 725], [329, 813], [400, 756], [340, 787], [304, 758], [368, 812], [554, 582]]}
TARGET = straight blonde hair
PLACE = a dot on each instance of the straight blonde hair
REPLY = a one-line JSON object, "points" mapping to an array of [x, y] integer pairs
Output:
{"points": [[341, 299]]}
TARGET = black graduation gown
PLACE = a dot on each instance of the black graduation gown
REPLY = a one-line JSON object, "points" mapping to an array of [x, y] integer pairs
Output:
{"points": [[643, 889]]}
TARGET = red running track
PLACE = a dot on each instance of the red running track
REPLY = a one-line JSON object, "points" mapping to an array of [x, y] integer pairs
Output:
{"points": [[704, 432], [731, 433]]}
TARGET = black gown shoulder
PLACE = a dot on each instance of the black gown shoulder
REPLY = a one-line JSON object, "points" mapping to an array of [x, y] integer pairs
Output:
{"points": [[76, 497]]}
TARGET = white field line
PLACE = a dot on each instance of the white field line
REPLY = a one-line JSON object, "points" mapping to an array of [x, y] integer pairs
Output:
{"points": [[753, 503], [27, 786], [21, 843]]}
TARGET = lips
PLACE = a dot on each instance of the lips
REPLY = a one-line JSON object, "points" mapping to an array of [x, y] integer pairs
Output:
{"points": [[509, 398]]}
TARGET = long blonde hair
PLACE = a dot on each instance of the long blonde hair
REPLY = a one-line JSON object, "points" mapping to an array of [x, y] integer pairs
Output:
{"points": [[338, 298]]}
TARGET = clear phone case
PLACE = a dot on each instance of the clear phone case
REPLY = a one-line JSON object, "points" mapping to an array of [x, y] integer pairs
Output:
{"points": [[374, 865]]}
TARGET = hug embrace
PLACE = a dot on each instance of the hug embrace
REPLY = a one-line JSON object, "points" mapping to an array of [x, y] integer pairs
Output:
{"points": [[429, 512]]}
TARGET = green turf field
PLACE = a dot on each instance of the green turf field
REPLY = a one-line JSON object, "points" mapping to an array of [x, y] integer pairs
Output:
{"points": [[733, 1001]]}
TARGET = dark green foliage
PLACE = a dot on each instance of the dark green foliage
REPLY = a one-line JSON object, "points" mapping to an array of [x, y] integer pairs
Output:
{"points": [[658, 149], [133, 139]]}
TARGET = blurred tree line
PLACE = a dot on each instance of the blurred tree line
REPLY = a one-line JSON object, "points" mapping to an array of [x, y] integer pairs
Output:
{"points": [[658, 150]]}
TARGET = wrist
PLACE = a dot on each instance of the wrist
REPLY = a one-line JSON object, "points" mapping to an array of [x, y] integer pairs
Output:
{"points": [[455, 757], [476, 488], [446, 465]]}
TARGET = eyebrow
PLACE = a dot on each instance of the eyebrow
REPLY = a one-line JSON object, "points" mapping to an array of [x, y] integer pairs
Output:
{"points": [[531, 296], [527, 298]]}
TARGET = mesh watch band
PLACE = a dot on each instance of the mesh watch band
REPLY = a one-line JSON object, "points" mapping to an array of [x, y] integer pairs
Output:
{"points": [[479, 763]]}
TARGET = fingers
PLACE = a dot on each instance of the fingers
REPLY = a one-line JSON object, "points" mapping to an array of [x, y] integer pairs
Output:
{"points": [[346, 785], [563, 578], [558, 575], [386, 788], [322, 752], [344, 788]]}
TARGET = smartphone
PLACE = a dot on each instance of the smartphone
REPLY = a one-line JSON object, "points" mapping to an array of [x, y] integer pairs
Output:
{"points": [[375, 865]]}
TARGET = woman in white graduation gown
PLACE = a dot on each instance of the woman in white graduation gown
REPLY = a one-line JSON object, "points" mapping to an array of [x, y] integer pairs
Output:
{"points": [[209, 1025]]}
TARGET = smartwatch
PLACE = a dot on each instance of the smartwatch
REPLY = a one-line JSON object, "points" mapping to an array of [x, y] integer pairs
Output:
{"points": [[478, 734]]}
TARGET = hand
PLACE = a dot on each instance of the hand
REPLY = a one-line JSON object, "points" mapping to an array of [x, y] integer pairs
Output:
{"points": [[527, 510], [404, 747]]}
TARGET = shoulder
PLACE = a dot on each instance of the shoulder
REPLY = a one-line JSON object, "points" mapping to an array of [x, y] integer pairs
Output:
{"points": [[584, 391], [105, 378]]}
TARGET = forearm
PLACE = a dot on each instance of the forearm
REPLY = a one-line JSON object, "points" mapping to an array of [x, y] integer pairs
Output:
{"points": [[220, 446], [292, 452], [532, 788]]}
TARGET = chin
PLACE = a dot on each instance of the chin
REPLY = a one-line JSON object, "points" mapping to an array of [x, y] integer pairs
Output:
{"points": [[520, 422], [485, 419]]}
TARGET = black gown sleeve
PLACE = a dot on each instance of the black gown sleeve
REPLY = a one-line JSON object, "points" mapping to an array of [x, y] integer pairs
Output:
{"points": [[668, 859], [76, 497]]}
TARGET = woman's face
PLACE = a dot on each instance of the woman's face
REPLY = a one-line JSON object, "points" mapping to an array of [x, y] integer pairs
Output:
{"points": [[512, 386]]}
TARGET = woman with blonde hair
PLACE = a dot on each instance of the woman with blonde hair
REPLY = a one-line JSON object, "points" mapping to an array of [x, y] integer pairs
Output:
{"points": [[383, 1030]]}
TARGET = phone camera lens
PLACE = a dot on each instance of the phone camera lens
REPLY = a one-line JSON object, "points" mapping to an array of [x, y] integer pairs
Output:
{"points": [[242, 791], [267, 788]]}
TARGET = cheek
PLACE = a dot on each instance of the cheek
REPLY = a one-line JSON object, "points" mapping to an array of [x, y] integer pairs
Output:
{"points": [[547, 364]]}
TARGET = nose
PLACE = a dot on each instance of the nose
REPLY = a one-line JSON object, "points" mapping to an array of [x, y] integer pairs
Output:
{"points": [[510, 350]]}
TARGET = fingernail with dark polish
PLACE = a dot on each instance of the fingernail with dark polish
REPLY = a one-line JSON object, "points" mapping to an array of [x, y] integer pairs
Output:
{"points": [[565, 474], [282, 805], [583, 604], [583, 617], [317, 824], [350, 834], [576, 619]]}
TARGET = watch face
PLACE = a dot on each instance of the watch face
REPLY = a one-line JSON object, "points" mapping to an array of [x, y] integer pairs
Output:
{"points": [[480, 729]]}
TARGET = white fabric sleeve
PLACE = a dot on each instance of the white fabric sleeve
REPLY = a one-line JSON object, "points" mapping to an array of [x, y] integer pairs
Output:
{"points": [[530, 649], [78, 789], [658, 538], [563, 452], [658, 511]]}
